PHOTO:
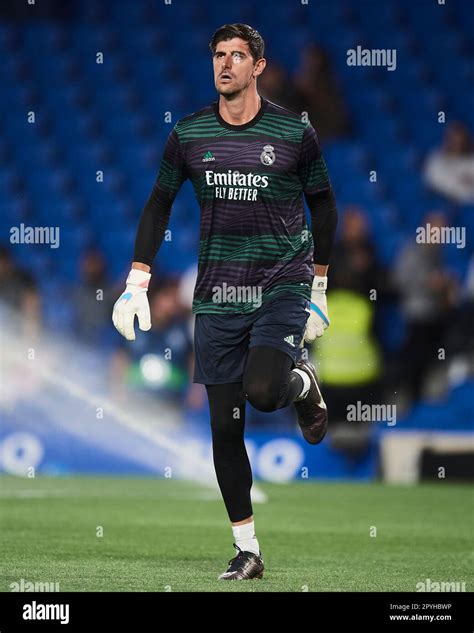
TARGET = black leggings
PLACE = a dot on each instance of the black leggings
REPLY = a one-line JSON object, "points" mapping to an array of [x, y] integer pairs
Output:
{"points": [[268, 384]]}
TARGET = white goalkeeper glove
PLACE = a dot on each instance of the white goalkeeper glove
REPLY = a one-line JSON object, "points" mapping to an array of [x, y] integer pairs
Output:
{"points": [[133, 301], [318, 319]]}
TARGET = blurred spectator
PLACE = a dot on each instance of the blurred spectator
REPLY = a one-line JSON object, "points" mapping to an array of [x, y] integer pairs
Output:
{"points": [[353, 262], [459, 341], [92, 298], [159, 361], [427, 294], [450, 169], [315, 91], [18, 291], [274, 85], [349, 354]]}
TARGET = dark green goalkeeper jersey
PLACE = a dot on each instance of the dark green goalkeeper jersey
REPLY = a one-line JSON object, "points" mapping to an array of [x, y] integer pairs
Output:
{"points": [[249, 181]]}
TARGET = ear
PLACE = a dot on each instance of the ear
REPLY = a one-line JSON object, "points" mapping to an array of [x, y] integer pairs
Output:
{"points": [[259, 67]]}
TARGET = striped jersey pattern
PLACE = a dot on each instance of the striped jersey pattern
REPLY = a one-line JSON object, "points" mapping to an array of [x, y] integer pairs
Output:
{"points": [[249, 181]]}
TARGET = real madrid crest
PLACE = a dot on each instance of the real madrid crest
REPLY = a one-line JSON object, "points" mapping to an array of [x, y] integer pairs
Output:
{"points": [[268, 155]]}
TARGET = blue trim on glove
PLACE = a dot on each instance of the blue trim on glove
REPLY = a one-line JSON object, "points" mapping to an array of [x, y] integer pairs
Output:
{"points": [[319, 313]]}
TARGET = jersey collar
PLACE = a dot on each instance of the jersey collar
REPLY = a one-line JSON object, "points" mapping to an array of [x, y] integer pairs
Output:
{"points": [[244, 126]]}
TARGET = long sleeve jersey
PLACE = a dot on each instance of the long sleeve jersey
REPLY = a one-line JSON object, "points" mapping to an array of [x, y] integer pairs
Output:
{"points": [[249, 181]]}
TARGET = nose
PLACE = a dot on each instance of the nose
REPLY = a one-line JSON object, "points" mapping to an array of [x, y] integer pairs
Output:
{"points": [[227, 61]]}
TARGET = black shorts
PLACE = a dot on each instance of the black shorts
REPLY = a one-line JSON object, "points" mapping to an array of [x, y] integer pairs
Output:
{"points": [[221, 342]]}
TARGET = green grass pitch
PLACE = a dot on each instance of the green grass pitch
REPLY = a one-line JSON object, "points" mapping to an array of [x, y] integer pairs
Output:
{"points": [[166, 535]]}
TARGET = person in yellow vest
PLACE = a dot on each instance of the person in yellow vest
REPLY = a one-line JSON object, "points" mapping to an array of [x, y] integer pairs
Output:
{"points": [[349, 357]]}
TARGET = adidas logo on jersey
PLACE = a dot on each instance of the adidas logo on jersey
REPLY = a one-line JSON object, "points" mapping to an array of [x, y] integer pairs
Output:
{"points": [[208, 156], [290, 340]]}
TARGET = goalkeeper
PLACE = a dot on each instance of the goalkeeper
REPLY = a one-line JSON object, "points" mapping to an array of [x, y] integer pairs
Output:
{"points": [[261, 286]]}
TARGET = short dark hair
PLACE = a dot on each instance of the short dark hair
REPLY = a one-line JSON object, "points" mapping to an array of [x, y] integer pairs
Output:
{"points": [[244, 32]]}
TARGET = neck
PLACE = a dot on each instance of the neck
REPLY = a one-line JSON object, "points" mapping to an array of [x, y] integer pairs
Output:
{"points": [[241, 109]]}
